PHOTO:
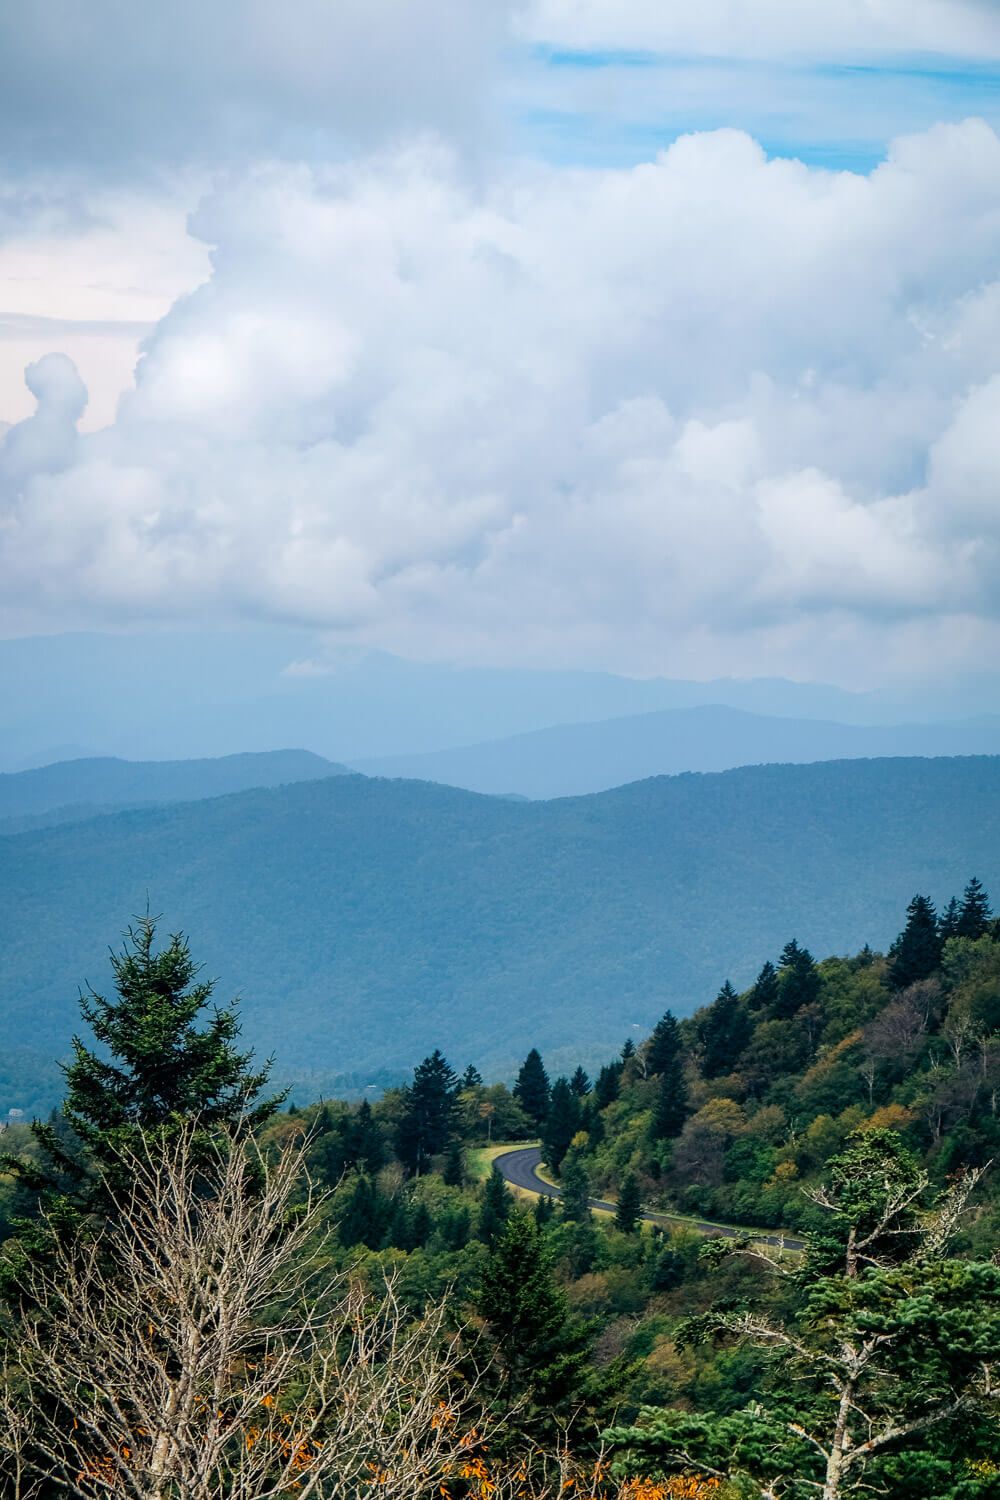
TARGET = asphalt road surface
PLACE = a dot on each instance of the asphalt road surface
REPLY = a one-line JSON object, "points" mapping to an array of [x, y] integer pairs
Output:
{"points": [[519, 1167]]}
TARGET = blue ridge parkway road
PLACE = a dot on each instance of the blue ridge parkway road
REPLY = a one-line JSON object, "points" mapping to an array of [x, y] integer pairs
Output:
{"points": [[519, 1166]]}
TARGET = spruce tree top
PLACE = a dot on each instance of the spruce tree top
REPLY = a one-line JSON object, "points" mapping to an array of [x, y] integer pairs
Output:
{"points": [[974, 917], [158, 1063], [916, 953], [664, 1044], [532, 1087]]}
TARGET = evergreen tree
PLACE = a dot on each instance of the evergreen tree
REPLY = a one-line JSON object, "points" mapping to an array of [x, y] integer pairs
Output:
{"points": [[608, 1085], [532, 1088], [425, 1128], [725, 1030], [883, 1338], [543, 1210], [454, 1167], [364, 1141], [629, 1209], [664, 1045], [421, 1227], [472, 1078], [495, 1209], [949, 920], [580, 1084], [669, 1104], [916, 953], [541, 1353], [764, 995], [628, 1050], [799, 981], [575, 1197], [562, 1124], [364, 1219], [974, 917], [166, 1055]]}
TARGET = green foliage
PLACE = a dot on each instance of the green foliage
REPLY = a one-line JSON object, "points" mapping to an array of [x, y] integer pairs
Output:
{"points": [[916, 953], [427, 1122], [542, 1355], [322, 901], [575, 1190], [974, 914], [798, 981], [496, 1209], [724, 1030], [561, 1125], [532, 1088], [628, 1211]]}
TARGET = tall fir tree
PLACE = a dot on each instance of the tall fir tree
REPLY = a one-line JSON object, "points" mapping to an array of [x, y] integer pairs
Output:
{"points": [[798, 982], [764, 995], [580, 1084], [472, 1078], [167, 1055], [541, 1353], [671, 1098], [974, 917], [575, 1195], [532, 1088], [724, 1029], [365, 1142], [454, 1167], [916, 953], [608, 1085], [562, 1124], [495, 1209], [949, 920], [664, 1044], [628, 1211], [426, 1125]]}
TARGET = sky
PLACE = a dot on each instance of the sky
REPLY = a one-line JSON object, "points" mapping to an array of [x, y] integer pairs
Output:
{"points": [[619, 334]]}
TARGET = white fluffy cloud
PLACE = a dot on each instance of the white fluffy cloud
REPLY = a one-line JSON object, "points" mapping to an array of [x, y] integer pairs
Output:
{"points": [[716, 412]]}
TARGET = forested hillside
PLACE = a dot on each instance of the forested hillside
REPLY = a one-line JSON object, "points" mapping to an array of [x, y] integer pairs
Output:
{"points": [[74, 790], [854, 1100], [359, 917]]}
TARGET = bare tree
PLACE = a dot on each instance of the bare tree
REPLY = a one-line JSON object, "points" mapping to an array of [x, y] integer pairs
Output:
{"points": [[188, 1352]]}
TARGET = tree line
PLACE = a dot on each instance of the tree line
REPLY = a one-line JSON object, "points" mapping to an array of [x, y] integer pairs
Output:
{"points": [[306, 1264]]}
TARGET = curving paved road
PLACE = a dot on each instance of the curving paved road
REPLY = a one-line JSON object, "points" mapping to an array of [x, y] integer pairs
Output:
{"points": [[519, 1166]]}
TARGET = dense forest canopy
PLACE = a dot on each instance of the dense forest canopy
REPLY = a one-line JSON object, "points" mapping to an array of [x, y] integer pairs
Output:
{"points": [[363, 920], [850, 1101]]}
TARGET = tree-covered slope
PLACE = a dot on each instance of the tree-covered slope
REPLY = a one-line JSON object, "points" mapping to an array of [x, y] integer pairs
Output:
{"points": [[359, 918], [73, 789]]}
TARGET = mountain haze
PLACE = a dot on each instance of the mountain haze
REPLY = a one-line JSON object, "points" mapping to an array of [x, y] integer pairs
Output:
{"points": [[366, 921], [212, 692], [572, 759]]}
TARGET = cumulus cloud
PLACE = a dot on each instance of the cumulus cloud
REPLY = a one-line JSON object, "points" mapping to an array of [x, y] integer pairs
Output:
{"points": [[715, 412]]}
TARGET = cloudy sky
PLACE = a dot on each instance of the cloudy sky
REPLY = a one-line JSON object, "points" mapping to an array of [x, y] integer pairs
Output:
{"points": [[621, 333]]}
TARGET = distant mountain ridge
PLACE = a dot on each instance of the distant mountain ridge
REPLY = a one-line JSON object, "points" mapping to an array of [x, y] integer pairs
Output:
{"points": [[571, 760], [365, 921], [76, 789], [212, 692]]}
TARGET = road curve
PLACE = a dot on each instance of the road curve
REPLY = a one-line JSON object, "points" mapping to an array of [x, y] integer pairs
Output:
{"points": [[519, 1166]]}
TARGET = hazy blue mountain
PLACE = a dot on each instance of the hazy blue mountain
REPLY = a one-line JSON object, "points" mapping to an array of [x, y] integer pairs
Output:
{"points": [[75, 789], [572, 759], [175, 694], [367, 921]]}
